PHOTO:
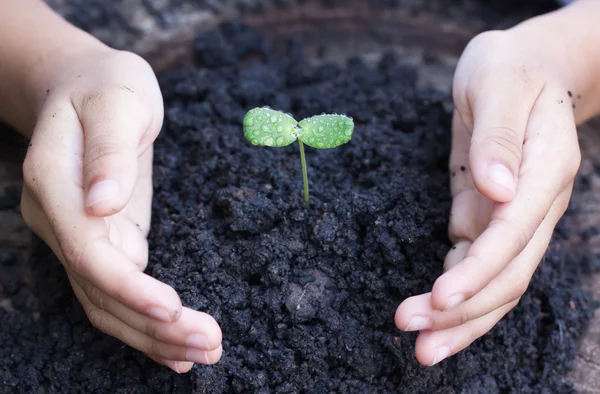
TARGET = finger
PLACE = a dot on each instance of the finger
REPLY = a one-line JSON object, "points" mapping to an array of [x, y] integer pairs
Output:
{"points": [[547, 170], [139, 211], [110, 325], [98, 262], [122, 233], [37, 221], [501, 101], [177, 366], [193, 329], [414, 313], [115, 123], [507, 287], [85, 247], [456, 254], [470, 210], [512, 282], [460, 177], [435, 346], [471, 213], [127, 237]]}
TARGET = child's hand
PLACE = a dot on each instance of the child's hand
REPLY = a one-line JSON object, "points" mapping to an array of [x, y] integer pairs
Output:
{"points": [[88, 191], [514, 156]]}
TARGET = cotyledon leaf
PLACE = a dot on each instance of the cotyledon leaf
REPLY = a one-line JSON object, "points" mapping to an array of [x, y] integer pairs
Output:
{"points": [[265, 126], [326, 131]]}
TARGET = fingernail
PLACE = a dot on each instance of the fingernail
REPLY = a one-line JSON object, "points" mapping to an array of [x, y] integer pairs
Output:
{"points": [[501, 175], [454, 301], [160, 314], [198, 341], [441, 353], [197, 356], [102, 191], [418, 323]]}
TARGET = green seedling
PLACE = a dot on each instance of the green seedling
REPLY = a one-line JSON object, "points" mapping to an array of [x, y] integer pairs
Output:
{"points": [[267, 127]]}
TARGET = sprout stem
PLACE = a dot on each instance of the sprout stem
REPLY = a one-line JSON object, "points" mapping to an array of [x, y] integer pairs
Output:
{"points": [[304, 173]]}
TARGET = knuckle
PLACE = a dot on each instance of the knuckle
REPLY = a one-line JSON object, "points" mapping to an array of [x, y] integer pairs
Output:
{"points": [[151, 329], [95, 295], [93, 101], [478, 79], [100, 148], [519, 288], [74, 257], [31, 170], [153, 347], [562, 204], [31, 219], [504, 140], [29, 165], [465, 314], [98, 319], [522, 236], [463, 229], [574, 163], [130, 57], [490, 37]]}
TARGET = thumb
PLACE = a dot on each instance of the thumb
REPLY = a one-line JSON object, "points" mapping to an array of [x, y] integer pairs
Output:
{"points": [[115, 135], [499, 125]]}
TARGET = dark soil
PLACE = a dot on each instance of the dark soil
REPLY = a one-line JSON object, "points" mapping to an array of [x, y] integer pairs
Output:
{"points": [[305, 298]]}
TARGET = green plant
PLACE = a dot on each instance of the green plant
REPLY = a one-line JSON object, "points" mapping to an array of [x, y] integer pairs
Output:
{"points": [[267, 127]]}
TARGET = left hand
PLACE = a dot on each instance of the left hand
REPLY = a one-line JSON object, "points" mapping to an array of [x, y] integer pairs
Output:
{"points": [[514, 157]]}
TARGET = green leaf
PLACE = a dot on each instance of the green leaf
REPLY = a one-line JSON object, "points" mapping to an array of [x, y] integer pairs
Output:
{"points": [[267, 127], [326, 131]]}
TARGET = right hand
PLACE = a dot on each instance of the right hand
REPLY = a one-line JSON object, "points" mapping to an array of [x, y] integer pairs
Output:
{"points": [[88, 193]]}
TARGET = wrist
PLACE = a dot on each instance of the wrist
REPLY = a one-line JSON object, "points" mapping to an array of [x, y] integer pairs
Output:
{"points": [[567, 40], [53, 67], [35, 42]]}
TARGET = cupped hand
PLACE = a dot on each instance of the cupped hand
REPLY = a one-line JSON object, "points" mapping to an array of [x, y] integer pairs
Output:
{"points": [[514, 156], [87, 194]]}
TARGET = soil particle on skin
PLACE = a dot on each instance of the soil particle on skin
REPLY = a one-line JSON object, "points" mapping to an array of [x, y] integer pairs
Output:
{"points": [[305, 298]]}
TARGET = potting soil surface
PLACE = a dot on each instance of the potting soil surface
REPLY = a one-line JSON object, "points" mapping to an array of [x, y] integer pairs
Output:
{"points": [[305, 297]]}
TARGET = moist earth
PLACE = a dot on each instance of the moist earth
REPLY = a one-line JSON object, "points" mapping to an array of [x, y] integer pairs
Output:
{"points": [[305, 297]]}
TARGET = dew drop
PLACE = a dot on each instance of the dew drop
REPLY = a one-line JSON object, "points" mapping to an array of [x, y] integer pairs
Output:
{"points": [[268, 141], [280, 140]]}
